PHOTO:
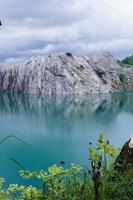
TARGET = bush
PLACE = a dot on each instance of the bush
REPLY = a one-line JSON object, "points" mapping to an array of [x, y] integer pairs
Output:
{"points": [[82, 67], [69, 54], [82, 81], [126, 62], [104, 81], [122, 77]]}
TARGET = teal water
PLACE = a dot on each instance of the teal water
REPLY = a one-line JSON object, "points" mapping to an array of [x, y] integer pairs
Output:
{"points": [[59, 128]]}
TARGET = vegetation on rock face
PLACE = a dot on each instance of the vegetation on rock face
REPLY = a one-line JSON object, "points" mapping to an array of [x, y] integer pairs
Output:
{"points": [[99, 182], [122, 77], [126, 62], [104, 81], [69, 54]]}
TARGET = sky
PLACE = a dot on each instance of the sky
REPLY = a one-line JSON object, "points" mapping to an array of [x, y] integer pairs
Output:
{"points": [[39, 27]]}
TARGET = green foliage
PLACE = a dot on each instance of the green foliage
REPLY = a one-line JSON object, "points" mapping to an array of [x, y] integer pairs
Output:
{"points": [[103, 148], [126, 62], [122, 77], [104, 81], [57, 183], [76, 183], [82, 81]]}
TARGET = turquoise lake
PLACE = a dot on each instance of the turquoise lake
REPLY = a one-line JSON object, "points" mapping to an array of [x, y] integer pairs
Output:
{"points": [[59, 128]]}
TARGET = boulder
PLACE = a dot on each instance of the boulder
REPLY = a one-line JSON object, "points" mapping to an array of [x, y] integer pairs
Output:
{"points": [[125, 158]]}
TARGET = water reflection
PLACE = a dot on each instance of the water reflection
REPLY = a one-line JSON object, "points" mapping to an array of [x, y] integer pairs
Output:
{"points": [[60, 127], [68, 106]]}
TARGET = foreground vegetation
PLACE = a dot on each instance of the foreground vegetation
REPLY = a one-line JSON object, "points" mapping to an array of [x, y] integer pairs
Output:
{"points": [[98, 182]]}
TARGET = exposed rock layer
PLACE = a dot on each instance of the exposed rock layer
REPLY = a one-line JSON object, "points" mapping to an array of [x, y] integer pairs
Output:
{"points": [[66, 74]]}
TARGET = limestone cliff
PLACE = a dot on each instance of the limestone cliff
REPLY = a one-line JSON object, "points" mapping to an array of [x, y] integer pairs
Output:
{"points": [[65, 73]]}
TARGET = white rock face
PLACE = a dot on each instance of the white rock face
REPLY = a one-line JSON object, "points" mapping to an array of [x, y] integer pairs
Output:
{"points": [[131, 142], [66, 74]]}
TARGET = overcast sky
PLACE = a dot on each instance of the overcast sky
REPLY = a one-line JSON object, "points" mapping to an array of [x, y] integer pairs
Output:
{"points": [[38, 27]]}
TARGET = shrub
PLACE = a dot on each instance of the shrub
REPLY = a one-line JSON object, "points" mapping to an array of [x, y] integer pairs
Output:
{"points": [[69, 54], [104, 81], [126, 62], [122, 77], [81, 67], [82, 81]]}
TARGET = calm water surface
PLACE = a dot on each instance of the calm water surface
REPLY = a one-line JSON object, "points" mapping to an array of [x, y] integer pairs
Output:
{"points": [[59, 128]]}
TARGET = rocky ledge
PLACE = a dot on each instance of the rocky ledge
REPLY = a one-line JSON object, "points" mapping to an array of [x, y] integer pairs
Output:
{"points": [[64, 73]]}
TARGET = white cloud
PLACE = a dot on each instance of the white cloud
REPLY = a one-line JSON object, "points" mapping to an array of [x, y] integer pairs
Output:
{"points": [[37, 27]]}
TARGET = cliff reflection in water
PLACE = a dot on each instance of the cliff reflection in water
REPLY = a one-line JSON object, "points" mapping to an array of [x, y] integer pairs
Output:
{"points": [[68, 106], [60, 128]]}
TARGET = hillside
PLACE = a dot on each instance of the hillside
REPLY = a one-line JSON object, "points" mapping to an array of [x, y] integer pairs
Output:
{"points": [[126, 62], [64, 73]]}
